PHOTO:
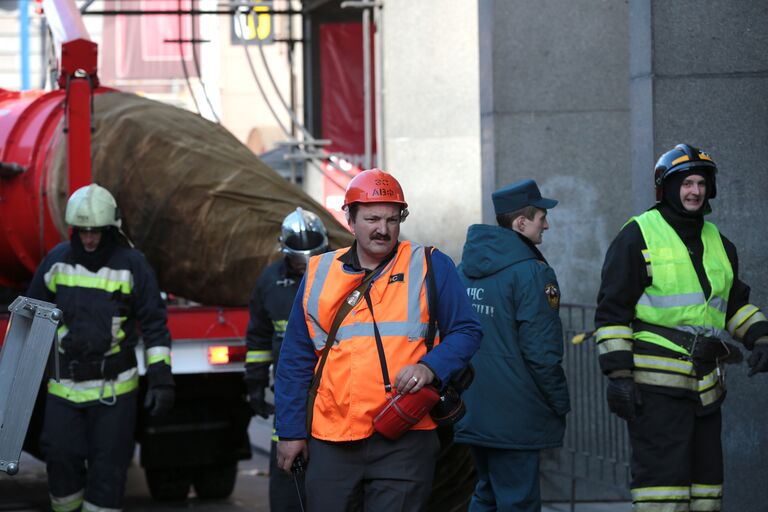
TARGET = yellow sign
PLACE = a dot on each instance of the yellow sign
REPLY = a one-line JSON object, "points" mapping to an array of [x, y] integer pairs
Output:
{"points": [[254, 26]]}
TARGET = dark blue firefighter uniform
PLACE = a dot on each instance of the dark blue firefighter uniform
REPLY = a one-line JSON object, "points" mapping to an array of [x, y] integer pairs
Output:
{"points": [[269, 307], [90, 416]]}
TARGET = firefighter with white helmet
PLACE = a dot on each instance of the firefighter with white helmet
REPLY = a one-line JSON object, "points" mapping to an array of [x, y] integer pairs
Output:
{"points": [[107, 292], [670, 292], [302, 235], [92, 207]]}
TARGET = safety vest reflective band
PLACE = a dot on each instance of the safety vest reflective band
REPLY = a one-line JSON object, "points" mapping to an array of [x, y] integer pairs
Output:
{"points": [[675, 298], [258, 356], [90, 390], [661, 494], [351, 389], [665, 364], [279, 326], [708, 388], [118, 334], [414, 325], [613, 331], [613, 338], [159, 354], [647, 258], [107, 279], [654, 506], [706, 498], [613, 345], [747, 316], [67, 503], [706, 491]]}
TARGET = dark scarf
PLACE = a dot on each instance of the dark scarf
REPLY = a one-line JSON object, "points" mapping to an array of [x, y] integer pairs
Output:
{"points": [[93, 261]]}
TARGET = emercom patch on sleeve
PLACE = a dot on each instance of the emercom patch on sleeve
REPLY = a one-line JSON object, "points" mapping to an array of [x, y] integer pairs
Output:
{"points": [[553, 295]]}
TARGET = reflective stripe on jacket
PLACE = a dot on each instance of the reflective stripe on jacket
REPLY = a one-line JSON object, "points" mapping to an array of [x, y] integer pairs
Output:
{"points": [[351, 389], [675, 299], [103, 310], [96, 389]]}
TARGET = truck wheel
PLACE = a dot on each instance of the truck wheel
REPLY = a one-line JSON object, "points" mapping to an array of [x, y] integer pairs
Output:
{"points": [[215, 482], [168, 484]]}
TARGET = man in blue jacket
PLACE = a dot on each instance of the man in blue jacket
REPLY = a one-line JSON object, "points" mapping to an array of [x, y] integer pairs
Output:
{"points": [[517, 403]]}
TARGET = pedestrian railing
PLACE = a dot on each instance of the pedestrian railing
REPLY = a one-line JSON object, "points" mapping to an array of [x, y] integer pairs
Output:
{"points": [[596, 445]]}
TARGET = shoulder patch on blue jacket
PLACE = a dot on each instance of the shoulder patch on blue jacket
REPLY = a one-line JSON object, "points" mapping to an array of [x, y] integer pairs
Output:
{"points": [[553, 295]]}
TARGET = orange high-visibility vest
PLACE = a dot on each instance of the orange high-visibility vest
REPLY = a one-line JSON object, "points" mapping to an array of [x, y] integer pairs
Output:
{"points": [[351, 390]]}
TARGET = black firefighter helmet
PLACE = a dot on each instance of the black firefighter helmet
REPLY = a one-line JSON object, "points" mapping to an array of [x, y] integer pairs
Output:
{"points": [[684, 158]]}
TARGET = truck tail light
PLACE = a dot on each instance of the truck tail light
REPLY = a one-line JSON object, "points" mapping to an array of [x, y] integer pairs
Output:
{"points": [[225, 354]]}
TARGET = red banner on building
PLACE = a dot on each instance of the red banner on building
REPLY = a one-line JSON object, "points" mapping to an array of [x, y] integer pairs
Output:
{"points": [[147, 47]]}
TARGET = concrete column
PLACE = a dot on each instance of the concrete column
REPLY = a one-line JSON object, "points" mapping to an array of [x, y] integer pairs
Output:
{"points": [[555, 108], [431, 108]]}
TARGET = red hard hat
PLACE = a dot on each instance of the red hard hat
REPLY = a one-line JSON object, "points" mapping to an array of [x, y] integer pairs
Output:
{"points": [[374, 186]]}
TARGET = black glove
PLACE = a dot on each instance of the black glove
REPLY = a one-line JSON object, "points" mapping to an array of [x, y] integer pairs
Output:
{"points": [[758, 361], [160, 399], [257, 402], [623, 397]]}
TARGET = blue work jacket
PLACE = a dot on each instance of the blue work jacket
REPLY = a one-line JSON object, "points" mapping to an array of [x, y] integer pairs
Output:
{"points": [[519, 397]]}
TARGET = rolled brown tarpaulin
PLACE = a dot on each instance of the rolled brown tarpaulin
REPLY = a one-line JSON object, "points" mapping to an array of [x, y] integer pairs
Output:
{"points": [[204, 210]]}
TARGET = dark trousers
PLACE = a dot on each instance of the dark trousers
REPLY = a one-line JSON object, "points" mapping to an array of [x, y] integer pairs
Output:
{"points": [[507, 480], [373, 474], [677, 457], [284, 488], [88, 449]]}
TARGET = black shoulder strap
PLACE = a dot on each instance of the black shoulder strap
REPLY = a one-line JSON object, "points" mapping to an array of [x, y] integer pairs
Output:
{"points": [[432, 298]]}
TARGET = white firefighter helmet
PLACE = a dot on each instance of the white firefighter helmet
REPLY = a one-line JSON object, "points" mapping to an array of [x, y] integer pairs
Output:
{"points": [[92, 207], [303, 235]]}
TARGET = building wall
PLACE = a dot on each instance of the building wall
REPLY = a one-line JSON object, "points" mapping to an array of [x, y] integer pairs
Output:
{"points": [[709, 84], [555, 108], [432, 117]]}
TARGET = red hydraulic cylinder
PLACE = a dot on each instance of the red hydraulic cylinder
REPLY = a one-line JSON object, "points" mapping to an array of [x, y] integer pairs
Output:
{"points": [[78, 79], [30, 133]]}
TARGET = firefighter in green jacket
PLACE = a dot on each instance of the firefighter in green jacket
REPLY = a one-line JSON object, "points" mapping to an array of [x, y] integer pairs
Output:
{"points": [[670, 292]]}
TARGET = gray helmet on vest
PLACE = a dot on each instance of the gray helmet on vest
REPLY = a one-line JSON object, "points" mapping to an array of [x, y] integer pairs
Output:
{"points": [[303, 235], [92, 207]]}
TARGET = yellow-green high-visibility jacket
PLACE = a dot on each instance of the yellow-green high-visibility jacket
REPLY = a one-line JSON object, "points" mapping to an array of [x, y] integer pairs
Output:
{"points": [[649, 276], [675, 298]]}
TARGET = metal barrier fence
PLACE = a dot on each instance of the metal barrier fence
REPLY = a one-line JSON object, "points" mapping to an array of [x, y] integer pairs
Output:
{"points": [[596, 445]]}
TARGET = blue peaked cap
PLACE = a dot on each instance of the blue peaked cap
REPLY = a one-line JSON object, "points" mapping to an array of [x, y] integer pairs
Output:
{"points": [[518, 195]]}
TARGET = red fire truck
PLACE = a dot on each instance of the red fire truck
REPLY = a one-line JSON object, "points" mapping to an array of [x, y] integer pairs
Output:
{"points": [[200, 442]]}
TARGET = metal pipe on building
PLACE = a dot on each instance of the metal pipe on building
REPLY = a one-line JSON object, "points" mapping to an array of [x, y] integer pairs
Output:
{"points": [[378, 61], [367, 86], [24, 43], [367, 114]]}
